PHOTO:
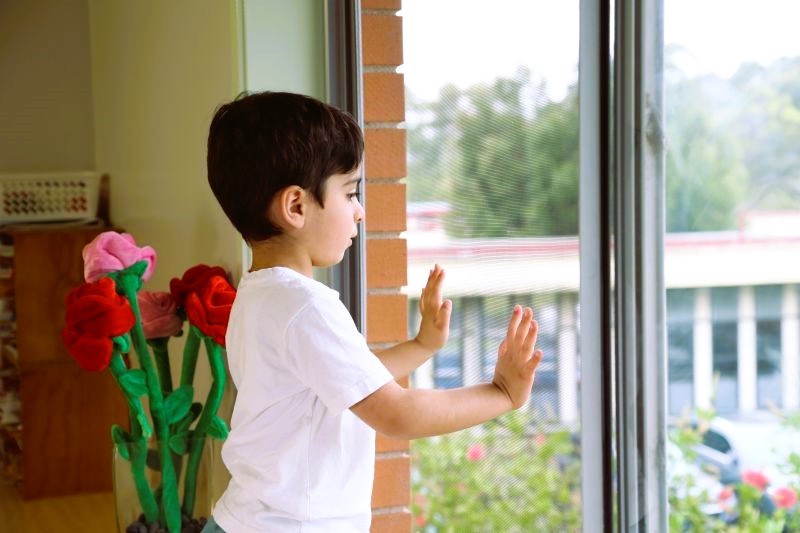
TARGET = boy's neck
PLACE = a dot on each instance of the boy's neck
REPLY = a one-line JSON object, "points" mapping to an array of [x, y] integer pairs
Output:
{"points": [[280, 252]]}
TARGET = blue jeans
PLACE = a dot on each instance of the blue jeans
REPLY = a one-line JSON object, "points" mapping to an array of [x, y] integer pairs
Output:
{"points": [[212, 527]]}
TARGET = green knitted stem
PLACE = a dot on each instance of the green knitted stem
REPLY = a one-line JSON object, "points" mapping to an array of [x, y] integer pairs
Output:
{"points": [[190, 351], [210, 409], [161, 355], [138, 450], [129, 282]]}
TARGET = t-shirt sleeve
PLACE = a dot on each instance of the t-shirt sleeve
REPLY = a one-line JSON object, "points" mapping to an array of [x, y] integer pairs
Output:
{"points": [[329, 355]]}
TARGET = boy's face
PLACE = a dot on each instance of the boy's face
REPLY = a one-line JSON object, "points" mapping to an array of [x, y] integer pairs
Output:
{"points": [[331, 230]]}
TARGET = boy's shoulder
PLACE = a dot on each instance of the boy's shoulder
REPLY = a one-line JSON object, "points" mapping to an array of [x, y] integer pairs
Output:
{"points": [[285, 290]]}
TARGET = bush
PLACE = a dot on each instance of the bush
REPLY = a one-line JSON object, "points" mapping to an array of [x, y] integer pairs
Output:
{"points": [[505, 476]]}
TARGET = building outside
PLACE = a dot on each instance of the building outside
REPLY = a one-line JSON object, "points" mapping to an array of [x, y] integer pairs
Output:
{"points": [[733, 333]]}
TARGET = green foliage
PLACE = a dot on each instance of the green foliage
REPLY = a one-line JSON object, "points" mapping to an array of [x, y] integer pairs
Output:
{"points": [[745, 507], [505, 157], [507, 476]]}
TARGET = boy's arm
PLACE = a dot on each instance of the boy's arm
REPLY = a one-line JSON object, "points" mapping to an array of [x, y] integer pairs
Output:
{"points": [[401, 359], [412, 413]]}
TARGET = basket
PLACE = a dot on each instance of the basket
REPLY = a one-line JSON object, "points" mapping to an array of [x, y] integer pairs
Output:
{"points": [[48, 197]]}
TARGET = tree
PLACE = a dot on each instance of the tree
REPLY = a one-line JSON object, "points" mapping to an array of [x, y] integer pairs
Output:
{"points": [[505, 156], [505, 161], [706, 177]]}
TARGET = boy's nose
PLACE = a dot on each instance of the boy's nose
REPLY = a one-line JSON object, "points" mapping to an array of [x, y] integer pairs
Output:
{"points": [[359, 213]]}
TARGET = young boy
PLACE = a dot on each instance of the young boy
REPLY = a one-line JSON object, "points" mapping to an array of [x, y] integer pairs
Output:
{"points": [[285, 169]]}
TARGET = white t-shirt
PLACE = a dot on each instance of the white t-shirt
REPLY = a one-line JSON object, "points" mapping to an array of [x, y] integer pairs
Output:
{"points": [[299, 459]]}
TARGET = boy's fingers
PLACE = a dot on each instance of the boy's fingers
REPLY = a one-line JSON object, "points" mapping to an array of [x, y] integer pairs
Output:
{"points": [[501, 350], [436, 285], [422, 301], [530, 338], [524, 326], [513, 322], [444, 312], [535, 360]]}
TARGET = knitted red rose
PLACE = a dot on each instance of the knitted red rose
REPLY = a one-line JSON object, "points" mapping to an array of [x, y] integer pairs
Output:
{"points": [[210, 308], [95, 314], [193, 280]]}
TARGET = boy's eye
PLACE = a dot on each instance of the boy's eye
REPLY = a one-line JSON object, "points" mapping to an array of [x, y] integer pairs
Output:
{"points": [[352, 195]]}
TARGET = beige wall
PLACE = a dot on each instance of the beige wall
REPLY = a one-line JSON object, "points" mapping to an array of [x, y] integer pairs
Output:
{"points": [[159, 70], [46, 111]]}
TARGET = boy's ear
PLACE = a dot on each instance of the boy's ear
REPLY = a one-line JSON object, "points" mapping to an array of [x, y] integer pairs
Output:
{"points": [[288, 209]]}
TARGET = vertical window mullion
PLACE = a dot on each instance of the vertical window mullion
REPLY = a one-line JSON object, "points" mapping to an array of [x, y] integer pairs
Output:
{"points": [[343, 25], [640, 355], [597, 476]]}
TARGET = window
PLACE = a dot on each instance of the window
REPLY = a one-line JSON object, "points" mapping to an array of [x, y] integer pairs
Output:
{"points": [[688, 120], [492, 127], [768, 338], [680, 350], [724, 313]]}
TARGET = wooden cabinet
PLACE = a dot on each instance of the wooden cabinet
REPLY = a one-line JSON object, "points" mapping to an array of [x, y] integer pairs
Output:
{"points": [[66, 412]]}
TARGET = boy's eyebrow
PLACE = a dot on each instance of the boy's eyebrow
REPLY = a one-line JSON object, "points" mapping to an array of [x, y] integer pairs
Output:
{"points": [[352, 181]]}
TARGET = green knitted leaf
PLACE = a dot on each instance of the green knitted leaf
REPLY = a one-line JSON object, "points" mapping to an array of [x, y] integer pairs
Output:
{"points": [[217, 428], [123, 342], [178, 443], [122, 439], [184, 423], [134, 382], [138, 268], [178, 403]]}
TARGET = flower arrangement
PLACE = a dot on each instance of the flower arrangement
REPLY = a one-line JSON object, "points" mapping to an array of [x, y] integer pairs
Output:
{"points": [[109, 318]]}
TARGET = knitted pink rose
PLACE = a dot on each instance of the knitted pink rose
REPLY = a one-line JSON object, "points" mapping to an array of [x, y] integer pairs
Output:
{"points": [[159, 318], [111, 251]]}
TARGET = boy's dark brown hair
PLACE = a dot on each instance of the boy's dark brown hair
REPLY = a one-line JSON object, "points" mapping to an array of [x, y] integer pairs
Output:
{"points": [[263, 142]]}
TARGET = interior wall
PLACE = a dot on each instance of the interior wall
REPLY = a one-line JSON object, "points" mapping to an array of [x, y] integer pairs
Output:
{"points": [[46, 114], [284, 46], [159, 71]]}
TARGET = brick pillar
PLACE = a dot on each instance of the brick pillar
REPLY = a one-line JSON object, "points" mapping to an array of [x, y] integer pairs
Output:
{"points": [[385, 199]]}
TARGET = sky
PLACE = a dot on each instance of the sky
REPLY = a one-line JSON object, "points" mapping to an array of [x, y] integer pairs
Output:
{"points": [[469, 41]]}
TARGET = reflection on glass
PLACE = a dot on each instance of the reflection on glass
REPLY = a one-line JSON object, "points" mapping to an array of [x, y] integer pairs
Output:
{"points": [[733, 222], [492, 197]]}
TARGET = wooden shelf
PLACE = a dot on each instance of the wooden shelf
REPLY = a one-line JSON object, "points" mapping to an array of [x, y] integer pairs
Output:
{"points": [[66, 412]]}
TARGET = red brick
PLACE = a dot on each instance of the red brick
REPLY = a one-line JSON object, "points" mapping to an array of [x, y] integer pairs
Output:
{"points": [[384, 99], [385, 153], [392, 486], [387, 261], [387, 318], [382, 40], [380, 4], [391, 523], [386, 207], [385, 444]]}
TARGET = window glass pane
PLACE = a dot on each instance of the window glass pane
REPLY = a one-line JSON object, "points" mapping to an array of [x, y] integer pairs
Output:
{"points": [[492, 136], [733, 227], [680, 345]]}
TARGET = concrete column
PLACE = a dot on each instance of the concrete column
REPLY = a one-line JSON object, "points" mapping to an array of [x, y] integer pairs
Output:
{"points": [[790, 348], [471, 359], [703, 349], [747, 375], [567, 362]]}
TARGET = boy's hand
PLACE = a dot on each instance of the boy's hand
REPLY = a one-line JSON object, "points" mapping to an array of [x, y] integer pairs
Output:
{"points": [[435, 312], [516, 358]]}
